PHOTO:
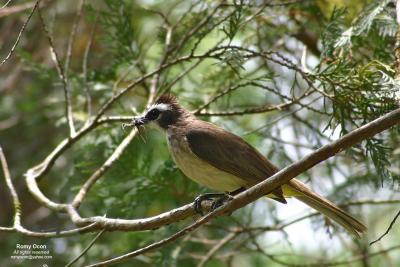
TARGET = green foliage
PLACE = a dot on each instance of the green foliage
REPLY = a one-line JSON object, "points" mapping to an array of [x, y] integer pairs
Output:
{"points": [[234, 21], [333, 30], [365, 93], [379, 154], [362, 23], [233, 59], [119, 37]]}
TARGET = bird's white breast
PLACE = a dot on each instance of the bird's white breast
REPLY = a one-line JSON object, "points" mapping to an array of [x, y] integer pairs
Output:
{"points": [[199, 170]]}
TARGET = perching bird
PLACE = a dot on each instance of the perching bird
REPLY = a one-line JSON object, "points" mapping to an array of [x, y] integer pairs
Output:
{"points": [[222, 161]]}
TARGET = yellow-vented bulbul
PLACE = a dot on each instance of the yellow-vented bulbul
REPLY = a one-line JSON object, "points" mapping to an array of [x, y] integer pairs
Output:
{"points": [[222, 161]]}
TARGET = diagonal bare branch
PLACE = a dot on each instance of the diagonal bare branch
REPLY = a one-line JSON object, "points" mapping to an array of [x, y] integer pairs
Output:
{"points": [[85, 250], [387, 230], [20, 32]]}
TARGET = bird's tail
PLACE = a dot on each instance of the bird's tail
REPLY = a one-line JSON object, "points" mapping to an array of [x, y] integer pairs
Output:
{"points": [[326, 207]]}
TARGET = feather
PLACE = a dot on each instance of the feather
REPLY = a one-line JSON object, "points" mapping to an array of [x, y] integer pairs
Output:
{"points": [[231, 154]]}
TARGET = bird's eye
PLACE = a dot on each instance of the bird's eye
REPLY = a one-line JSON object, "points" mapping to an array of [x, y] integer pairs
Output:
{"points": [[153, 114]]}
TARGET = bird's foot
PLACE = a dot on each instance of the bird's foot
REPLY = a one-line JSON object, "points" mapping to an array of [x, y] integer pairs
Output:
{"points": [[226, 197], [207, 196], [218, 200]]}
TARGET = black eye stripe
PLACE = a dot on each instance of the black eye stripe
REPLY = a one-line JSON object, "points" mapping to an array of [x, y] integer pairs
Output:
{"points": [[153, 114]]}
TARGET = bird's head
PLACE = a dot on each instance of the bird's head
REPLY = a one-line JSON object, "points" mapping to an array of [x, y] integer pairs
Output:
{"points": [[165, 112]]}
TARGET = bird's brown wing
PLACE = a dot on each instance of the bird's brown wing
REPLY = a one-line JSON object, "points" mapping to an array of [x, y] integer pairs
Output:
{"points": [[231, 154]]}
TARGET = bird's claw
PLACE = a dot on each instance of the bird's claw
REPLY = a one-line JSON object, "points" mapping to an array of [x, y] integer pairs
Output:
{"points": [[220, 199]]}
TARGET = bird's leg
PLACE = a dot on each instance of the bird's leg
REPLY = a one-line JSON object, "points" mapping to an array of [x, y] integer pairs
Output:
{"points": [[237, 191], [207, 196], [220, 199], [225, 197]]}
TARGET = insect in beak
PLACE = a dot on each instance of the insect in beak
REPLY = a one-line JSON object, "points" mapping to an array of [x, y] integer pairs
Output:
{"points": [[139, 121], [136, 122]]}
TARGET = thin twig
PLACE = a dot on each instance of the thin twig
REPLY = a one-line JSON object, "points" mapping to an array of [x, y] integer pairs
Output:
{"points": [[20, 33], [85, 67], [6, 4], [68, 56], [256, 110], [156, 78], [387, 230], [194, 30], [71, 39], [61, 74], [217, 247], [274, 122], [85, 250], [180, 76]]}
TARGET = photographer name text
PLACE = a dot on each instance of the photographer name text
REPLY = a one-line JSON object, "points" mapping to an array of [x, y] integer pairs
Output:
{"points": [[30, 246]]}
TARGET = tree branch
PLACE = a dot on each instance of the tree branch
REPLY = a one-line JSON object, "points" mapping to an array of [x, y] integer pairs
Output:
{"points": [[20, 32]]}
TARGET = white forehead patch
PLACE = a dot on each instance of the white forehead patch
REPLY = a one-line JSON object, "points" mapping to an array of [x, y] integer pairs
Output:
{"points": [[161, 107]]}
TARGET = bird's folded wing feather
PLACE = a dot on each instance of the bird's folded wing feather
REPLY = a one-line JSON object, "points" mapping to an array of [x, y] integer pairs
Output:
{"points": [[231, 154]]}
